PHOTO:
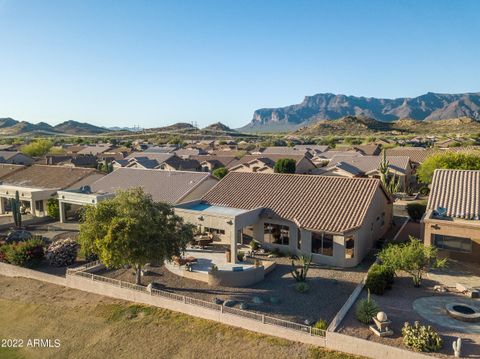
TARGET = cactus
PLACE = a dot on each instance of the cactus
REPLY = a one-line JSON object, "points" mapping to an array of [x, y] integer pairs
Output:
{"points": [[457, 348], [393, 184], [301, 275], [16, 214]]}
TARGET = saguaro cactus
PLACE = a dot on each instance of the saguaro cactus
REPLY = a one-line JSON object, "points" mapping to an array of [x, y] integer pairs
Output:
{"points": [[16, 214]]}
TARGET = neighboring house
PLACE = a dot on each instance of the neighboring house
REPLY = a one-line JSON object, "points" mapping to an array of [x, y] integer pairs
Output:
{"points": [[73, 160], [337, 220], [368, 166], [94, 150], [313, 149], [176, 163], [286, 151], [36, 184], [417, 154], [164, 186], [6, 169], [188, 152], [249, 163], [15, 158], [368, 150], [452, 220], [160, 149]]}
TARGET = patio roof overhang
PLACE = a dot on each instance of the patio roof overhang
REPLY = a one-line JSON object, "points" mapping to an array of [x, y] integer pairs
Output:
{"points": [[26, 193], [82, 199]]}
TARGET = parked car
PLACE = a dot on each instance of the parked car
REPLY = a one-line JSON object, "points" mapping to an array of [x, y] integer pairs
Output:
{"points": [[18, 236]]}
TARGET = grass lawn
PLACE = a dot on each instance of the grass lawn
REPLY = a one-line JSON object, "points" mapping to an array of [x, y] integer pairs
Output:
{"points": [[92, 326]]}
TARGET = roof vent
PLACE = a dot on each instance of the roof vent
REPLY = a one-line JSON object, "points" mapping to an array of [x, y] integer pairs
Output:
{"points": [[440, 212]]}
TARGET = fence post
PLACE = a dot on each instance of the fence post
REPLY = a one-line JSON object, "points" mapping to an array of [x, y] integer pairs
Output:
{"points": [[184, 299], [263, 319], [221, 309]]}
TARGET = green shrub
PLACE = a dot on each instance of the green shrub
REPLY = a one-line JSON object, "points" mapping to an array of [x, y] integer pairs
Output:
{"points": [[379, 278], [24, 254], [416, 210], [321, 324], [421, 338], [240, 255], [302, 287], [366, 309], [254, 245], [424, 191]]}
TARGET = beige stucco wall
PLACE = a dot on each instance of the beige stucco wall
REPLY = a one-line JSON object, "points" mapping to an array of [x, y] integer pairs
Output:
{"points": [[457, 228]]}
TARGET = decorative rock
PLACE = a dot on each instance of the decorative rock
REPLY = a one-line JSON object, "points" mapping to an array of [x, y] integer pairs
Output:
{"points": [[218, 301], [62, 253], [229, 303], [309, 321], [440, 288], [257, 300], [382, 316]]}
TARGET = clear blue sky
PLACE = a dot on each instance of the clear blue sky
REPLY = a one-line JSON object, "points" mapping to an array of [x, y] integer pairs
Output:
{"points": [[152, 63]]}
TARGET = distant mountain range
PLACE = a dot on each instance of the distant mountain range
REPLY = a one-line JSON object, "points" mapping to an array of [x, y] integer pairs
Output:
{"points": [[364, 126], [11, 127], [431, 106]]}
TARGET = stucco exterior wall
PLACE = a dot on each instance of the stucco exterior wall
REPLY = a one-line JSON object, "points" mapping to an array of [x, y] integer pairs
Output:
{"points": [[460, 228]]}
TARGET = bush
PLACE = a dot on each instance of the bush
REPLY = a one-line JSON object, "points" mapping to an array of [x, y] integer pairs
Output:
{"points": [[240, 255], [62, 253], [424, 191], [302, 287], [321, 324], [254, 245], [379, 278], [220, 172], [421, 338], [416, 210], [24, 254], [366, 309]]}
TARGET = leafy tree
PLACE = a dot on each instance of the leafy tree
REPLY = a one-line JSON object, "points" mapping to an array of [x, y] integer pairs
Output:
{"points": [[37, 148], [53, 208], [413, 258], [285, 165], [220, 172], [449, 160], [132, 229]]}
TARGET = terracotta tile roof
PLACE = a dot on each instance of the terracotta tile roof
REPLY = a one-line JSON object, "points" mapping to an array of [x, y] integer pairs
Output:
{"points": [[284, 150], [8, 154], [6, 169], [158, 156], [272, 157], [43, 176], [321, 203], [458, 191], [366, 164], [164, 186], [416, 154]]}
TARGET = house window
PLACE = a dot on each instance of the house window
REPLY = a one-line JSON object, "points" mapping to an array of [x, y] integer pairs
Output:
{"points": [[299, 239], [214, 230], [349, 247], [276, 234], [322, 243], [39, 206], [450, 243]]}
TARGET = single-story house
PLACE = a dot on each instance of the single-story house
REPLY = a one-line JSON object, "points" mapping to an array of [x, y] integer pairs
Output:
{"points": [[15, 158], [335, 219], [251, 163], [417, 154], [368, 166], [38, 183], [164, 186], [452, 219]]}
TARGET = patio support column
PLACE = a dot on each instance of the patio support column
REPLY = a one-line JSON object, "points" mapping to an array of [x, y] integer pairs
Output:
{"points": [[32, 208], [233, 246], [2, 205], [61, 208]]}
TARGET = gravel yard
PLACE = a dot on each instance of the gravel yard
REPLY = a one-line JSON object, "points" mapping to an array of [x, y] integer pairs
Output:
{"points": [[329, 289]]}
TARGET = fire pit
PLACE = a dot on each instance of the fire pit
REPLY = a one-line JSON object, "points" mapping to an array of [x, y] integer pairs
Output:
{"points": [[463, 312]]}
